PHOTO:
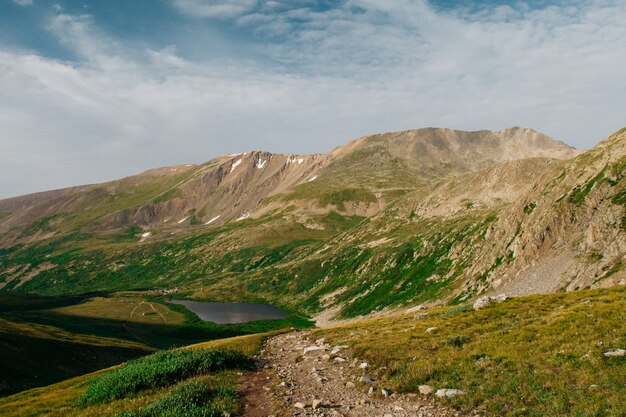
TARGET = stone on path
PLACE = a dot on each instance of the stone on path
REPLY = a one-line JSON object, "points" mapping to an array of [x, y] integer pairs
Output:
{"points": [[365, 379], [300, 405], [311, 349], [425, 389], [315, 404]]}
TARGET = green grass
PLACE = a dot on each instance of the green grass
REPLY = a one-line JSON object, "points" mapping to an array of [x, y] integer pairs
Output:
{"points": [[160, 370], [530, 356], [215, 390], [200, 397], [80, 334]]}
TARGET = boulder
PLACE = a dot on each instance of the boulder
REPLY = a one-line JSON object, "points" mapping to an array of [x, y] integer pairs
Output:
{"points": [[416, 308], [431, 329], [449, 392], [614, 353], [337, 349], [365, 379], [311, 349], [419, 316], [425, 389], [300, 405], [486, 300], [363, 365]]}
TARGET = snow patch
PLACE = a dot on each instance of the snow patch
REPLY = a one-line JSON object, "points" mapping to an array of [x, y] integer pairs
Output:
{"points": [[294, 160], [182, 220], [312, 178], [235, 165], [260, 164], [212, 220], [243, 217], [234, 154]]}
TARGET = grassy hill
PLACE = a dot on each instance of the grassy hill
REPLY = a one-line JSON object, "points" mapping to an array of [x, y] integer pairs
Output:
{"points": [[529, 356], [76, 335]]}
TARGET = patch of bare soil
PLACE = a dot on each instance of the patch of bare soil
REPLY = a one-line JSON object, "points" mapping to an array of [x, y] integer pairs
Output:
{"points": [[301, 377]]}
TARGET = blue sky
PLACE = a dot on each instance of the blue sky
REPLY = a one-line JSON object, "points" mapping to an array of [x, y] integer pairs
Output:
{"points": [[94, 90]]}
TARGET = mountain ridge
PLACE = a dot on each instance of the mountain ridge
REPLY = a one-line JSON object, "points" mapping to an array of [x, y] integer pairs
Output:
{"points": [[429, 215]]}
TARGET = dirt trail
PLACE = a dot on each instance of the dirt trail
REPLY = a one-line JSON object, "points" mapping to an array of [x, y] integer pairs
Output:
{"points": [[289, 379]]}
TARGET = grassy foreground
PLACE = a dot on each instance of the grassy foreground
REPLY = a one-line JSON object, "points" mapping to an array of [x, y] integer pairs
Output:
{"points": [[81, 334], [199, 380], [540, 355]]}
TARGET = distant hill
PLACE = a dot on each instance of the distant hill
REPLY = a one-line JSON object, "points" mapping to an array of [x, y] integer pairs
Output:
{"points": [[428, 215]]}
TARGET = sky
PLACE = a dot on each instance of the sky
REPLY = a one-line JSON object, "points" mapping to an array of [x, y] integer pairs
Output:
{"points": [[94, 90]]}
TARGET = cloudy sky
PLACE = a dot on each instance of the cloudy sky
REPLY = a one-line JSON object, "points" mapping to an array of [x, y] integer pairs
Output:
{"points": [[93, 90]]}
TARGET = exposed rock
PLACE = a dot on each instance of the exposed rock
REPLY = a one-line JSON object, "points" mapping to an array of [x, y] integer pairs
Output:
{"points": [[416, 308], [419, 316], [425, 389], [614, 353], [311, 349], [338, 349], [384, 393], [300, 405], [432, 329], [441, 393], [350, 384], [363, 365], [315, 404], [365, 379], [486, 300]]}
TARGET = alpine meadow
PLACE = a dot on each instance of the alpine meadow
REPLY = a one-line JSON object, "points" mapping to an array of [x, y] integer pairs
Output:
{"points": [[472, 270]]}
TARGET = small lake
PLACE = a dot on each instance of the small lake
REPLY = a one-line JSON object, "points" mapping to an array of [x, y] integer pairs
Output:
{"points": [[228, 313]]}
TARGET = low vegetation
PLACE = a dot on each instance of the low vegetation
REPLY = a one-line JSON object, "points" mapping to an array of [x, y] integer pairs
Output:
{"points": [[540, 355], [160, 370], [200, 380], [81, 334]]}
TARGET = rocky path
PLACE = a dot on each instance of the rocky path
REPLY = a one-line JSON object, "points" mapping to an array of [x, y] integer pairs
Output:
{"points": [[301, 377]]}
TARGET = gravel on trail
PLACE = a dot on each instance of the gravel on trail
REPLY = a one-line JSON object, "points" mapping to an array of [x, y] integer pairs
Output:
{"points": [[297, 376]]}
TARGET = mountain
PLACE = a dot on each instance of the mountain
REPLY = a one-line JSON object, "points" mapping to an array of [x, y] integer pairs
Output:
{"points": [[428, 215]]}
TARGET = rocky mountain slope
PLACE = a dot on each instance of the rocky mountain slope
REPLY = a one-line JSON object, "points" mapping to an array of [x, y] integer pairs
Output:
{"points": [[386, 220]]}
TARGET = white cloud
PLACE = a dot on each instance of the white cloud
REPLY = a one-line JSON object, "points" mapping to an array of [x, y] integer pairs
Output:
{"points": [[23, 2], [365, 67], [214, 8]]}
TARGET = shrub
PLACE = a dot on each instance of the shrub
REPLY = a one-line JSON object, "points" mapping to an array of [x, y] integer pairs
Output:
{"points": [[457, 340], [160, 370], [457, 310], [192, 398]]}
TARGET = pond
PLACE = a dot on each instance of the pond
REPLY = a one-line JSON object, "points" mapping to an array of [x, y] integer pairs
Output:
{"points": [[228, 313]]}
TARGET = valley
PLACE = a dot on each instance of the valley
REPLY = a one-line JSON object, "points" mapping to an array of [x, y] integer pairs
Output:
{"points": [[383, 245]]}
